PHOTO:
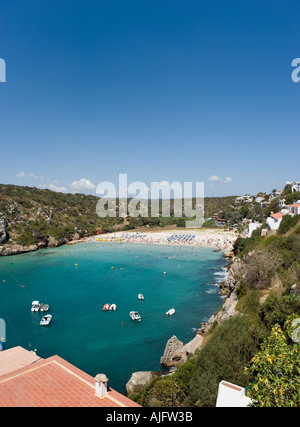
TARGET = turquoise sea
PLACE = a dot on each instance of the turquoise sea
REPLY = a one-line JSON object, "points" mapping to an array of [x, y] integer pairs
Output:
{"points": [[76, 281]]}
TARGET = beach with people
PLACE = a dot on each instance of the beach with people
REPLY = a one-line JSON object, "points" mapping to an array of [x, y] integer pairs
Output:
{"points": [[216, 239]]}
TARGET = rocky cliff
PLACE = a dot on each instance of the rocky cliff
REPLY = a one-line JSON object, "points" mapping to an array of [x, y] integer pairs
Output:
{"points": [[3, 232]]}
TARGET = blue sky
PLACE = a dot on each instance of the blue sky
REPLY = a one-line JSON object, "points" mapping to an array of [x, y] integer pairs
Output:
{"points": [[160, 90]]}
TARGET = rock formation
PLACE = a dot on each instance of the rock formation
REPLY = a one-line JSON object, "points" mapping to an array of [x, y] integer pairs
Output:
{"points": [[139, 380], [3, 232], [173, 346]]}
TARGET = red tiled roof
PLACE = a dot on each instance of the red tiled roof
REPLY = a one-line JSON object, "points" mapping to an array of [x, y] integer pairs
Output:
{"points": [[55, 382], [277, 215], [294, 205], [16, 358]]}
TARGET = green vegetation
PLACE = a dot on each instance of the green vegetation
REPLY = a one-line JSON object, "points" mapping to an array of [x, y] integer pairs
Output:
{"points": [[287, 223], [276, 370], [34, 215]]}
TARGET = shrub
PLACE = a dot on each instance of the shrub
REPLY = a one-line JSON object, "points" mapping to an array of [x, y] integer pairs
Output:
{"points": [[277, 367], [168, 391], [277, 309], [260, 269], [223, 357], [287, 223]]}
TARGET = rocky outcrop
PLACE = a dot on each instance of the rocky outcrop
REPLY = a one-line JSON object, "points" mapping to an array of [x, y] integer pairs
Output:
{"points": [[16, 249], [176, 353], [235, 272], [53, 243], [3, 232], [173, 346], [227, 311], [140, 380], [228, 287], [181, 355]]}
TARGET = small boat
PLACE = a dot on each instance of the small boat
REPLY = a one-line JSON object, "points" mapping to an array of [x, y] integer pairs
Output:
{"points": [[140, 296], [135, 316], [170, 312], [46, 320], [44, 307], [112, 307], [35, 306], [105, 307]]}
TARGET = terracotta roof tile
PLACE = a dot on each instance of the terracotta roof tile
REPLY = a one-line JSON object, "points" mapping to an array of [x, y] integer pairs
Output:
{"points": [[277, 215], [54, 382]]}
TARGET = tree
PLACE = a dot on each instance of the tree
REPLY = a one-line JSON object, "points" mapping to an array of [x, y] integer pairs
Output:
{"points": [[273, 207], [292, 197], [276, 367]]}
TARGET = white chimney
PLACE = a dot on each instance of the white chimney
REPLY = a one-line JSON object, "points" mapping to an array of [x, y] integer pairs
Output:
{"points": [[101, 384]]}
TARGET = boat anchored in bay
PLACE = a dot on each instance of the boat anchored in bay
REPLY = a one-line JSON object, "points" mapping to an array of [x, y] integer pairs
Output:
{"points": [[46, 320], [134, 315]]}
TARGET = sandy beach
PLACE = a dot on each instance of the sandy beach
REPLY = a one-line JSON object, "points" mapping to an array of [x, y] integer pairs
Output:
{"points": [[216, 239]]}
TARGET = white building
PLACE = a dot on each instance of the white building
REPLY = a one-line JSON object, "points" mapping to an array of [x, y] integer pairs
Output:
{"points": [[259, 199], [294, 209], [232, 396], [295, 186], [246, 198], [274, 220], [253, 226], [281, 203]]}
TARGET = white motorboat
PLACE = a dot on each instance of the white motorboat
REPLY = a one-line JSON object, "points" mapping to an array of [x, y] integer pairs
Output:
{"points": [[140, 296], [112, 307], [44, 307], [46, 320], [35, 306], [170, 312], [135, 316]]}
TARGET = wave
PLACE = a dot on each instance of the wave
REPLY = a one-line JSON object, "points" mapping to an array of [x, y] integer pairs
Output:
{"points": [[221, 275], [211, 291]]}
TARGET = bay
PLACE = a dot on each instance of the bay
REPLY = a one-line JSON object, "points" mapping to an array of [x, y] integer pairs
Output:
{"points": [[76, 281]]}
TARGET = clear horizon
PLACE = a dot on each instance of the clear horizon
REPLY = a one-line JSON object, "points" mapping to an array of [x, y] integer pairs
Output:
{"points": [[179, 91]]}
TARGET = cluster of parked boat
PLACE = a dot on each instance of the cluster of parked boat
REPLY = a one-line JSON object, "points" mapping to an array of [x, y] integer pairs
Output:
{"points": [[134, 315], [109, 306], [36, 306]]}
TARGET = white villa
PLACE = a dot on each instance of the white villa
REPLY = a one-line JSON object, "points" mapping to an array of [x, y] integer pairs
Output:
{"points": [[295, 186], [274, 220], [253, 226], [246, 198], [294, 209]]}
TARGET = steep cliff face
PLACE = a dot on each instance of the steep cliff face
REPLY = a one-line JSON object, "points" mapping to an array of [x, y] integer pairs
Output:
{"points": [[3, 232]]}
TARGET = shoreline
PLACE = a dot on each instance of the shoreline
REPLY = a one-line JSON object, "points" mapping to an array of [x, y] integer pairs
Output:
{"points": [[218, 240]]}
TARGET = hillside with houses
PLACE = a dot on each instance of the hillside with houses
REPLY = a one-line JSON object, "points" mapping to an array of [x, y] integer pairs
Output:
{"points": [[260, 211]]}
